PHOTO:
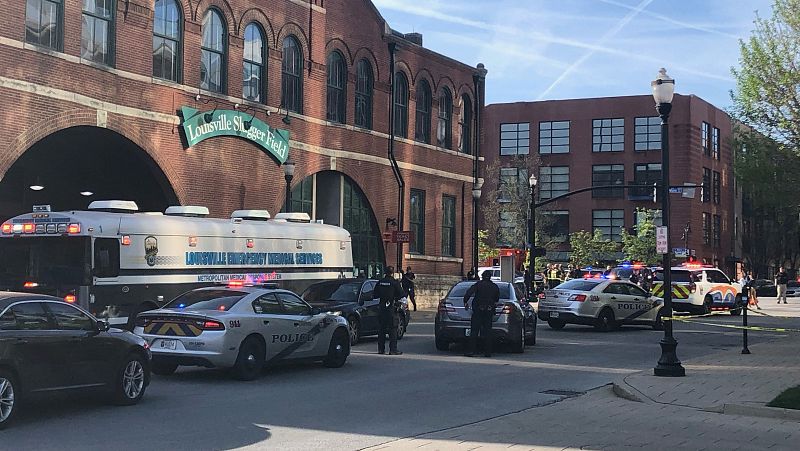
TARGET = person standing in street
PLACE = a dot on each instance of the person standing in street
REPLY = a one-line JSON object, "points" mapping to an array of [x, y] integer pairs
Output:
{"points": [[781, 280], [408, 285], [486, 295], [389, 291], [747, 287]]}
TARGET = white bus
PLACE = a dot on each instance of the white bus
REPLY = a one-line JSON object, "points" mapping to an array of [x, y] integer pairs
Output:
{"points": [[116, 262]]}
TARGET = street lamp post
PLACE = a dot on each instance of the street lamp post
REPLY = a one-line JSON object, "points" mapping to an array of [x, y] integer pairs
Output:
{"points": [[476, 196], [288, 175], [532, 181], [663, 90]]}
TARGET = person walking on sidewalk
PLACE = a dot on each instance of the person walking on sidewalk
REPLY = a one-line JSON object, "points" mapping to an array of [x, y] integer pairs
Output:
{"points": [[389, 292], [747, 287], [408, 285], [486, 295], [781, 280]]}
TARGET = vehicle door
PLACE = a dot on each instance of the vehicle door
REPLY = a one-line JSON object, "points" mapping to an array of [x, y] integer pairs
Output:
{"points": [[91, 354], [645, 306], [370, 308], [720, 287], [40, 350], [275, 326], [617, 297], [306, 329], [527, 309]]}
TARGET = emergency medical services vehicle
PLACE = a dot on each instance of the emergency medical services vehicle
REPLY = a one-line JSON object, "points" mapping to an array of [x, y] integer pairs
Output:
{"points": [[700, 289], [115, 261]]}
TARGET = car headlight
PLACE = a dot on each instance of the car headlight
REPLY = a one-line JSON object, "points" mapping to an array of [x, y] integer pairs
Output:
{"points": [[336, 313]]}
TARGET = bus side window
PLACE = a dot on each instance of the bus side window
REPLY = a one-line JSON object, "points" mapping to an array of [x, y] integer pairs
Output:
{"points": [[106, 257]]}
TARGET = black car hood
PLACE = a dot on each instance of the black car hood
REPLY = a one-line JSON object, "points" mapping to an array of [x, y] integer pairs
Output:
{"points": [[333, 305]]}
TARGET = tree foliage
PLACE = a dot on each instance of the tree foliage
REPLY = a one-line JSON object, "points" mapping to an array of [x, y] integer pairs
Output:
{"points": [[485, 250], [641, 247], [591, 248]]}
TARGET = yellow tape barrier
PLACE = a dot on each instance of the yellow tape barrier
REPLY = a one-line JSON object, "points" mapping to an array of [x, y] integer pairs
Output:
{"points": [[732, 326]]}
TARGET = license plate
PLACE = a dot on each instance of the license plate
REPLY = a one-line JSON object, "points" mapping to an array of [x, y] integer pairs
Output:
{"points": [[467, 332], [553, 314], [168, 344]]}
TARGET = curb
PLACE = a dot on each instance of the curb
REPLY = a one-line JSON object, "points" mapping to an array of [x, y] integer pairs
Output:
{"points": [[626, 391], [762, 411]]}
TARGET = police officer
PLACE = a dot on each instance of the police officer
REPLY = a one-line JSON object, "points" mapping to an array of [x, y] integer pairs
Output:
{"points": [[389, 291], [486, 296]]}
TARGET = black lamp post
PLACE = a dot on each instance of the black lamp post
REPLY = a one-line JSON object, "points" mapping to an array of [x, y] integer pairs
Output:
{"points": [[476, 196], [288, 175], [663, 90], [532, 181]]}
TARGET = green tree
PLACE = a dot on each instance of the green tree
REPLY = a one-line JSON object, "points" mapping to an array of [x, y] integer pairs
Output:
{"points": [[641, 247], [590, 248], [485, 250]]}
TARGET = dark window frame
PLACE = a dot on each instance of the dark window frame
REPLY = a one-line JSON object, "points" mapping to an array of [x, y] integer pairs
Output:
{"points": [[446, 118], [716, 230], [705, 135], [210, 51], [646, 133], [336, 88], [715, 149], [259, 67], [546, 187], [612, 231], [292, 62], [515, 138], [423, 116], [517, 180], [608, 174], [401, 97], [547, 132], [177, 41], [417, 221], [614, 129], [58, 37], [110, 21], [365, 85], [555, 231], [706, 191], [645, 174], [466, 125], [716, 187], [706, 228], [448, 225]]}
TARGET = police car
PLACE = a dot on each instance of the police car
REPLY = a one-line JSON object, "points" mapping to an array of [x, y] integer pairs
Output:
{"points": [[603, 303], [242, 328], [700, 288]]}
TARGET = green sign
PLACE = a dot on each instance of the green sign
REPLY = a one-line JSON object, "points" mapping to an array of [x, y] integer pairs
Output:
{"points": [[198, 126]]}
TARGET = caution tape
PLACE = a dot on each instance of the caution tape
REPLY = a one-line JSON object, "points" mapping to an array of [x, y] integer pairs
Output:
{"points": [[704, 315], [733, 326], [770, 316]]}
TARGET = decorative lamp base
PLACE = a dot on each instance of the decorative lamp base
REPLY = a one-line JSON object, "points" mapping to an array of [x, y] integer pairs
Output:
{"points": [[668, 364]]}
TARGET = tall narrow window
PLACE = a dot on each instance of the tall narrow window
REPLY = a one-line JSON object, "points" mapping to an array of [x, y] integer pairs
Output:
{"points": [[253, 75], [43, 23], [704, 137], [400, 105], [212, 65], [97, 34], [466, 125], [706, 189], [706, 229], [167, 20], [716, 231], [292, 73], [715, 143], [444, 129], [716, 188], [448, 226], [422, 127], [417, 221], [364, 87], [337, 82]]}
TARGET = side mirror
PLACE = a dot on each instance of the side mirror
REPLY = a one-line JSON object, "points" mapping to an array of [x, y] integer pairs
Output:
{"points": [[315, 311], [102, 326]]}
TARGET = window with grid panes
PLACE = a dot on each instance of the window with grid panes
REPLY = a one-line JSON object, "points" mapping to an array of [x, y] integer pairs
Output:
{"points": [[715, 143], [553, 181], [444, 134], [422, 124], [647, 133], [716, 187], [554, 137], [466, 126], [254, 58], [706, 228], [556, 225], [645, 174], [167, 29], [506, 227], [337, 82], [448, 226], [292, 75], [608, 174], [610, 223], [512, 182], [515, 138], [716, 230], [97, 32], [212, 62], [43, 23], [364, 87], [608, 135], [706, 191], [400, 105], [704, 137], [303, 197], [417, 219]]}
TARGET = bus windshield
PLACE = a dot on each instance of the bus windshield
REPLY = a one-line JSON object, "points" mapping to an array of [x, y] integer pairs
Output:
{"points": [[50, 262]]}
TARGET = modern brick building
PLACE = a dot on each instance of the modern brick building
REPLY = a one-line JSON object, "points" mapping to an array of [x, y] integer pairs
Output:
{"points": [[617, 140], [101, 100]]}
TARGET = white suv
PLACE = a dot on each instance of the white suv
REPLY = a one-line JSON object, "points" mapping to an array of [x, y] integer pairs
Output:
{"points": [[700, 289]]}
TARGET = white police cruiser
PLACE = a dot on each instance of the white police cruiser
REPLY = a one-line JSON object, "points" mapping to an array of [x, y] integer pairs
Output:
{"points": [[243, 328], [603, 303]]}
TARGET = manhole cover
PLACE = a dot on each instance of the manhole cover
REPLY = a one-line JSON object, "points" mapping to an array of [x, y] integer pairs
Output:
{"points": [[569, 393]]}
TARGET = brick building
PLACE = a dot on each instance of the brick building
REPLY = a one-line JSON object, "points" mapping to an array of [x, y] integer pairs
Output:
{"points": [[617, 140], [97, 98]]}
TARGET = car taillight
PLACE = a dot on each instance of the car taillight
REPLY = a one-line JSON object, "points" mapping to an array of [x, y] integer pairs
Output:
{"points": [[212, 325], [30, 285], [71, 298], [692, 287], [505, 310], [577, 297], [444, 307]]}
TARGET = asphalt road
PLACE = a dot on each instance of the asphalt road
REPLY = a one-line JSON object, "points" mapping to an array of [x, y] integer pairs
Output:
{"points": [[371, 400]]}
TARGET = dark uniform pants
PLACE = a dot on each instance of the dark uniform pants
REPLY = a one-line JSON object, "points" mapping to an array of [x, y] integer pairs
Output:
{"points": [[481, 327], [388, 322]]}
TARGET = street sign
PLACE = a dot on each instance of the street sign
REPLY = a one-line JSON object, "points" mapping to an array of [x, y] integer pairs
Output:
{"points": [[689, 190], [680, 251], [675, 190], [401, 236], [661, 240]]}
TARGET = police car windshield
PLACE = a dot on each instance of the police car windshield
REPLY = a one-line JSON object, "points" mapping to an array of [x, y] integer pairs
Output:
{"points": [[677, 275], [579, 285], [206, 300], [460, 290], [333, 291]]}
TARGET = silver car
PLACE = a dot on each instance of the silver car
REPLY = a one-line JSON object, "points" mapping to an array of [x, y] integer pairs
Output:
{"points": [[241, 328], [603, 303]]}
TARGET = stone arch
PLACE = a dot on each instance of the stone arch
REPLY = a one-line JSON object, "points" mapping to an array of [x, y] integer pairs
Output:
{"points": [[369, 55], [341, 46], [223, 6], [402, 66], [426, 74], [258, 16], [292, 29], [446, 82]]}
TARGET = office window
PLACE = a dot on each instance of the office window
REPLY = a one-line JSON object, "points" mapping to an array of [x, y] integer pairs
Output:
{"points": [[97, 33], [706, 191], [422, 124], [556, 225], [704, 138], [515, 138], [608, 135], [716, 229], [608, 174], [716, 189], [706, 228], [554, 137], [254, 58], [400, 105], [610, 223], [43, 22], [466, 126], [513, 183], [337, 82], [645, 174], [448, 226], [292, 75], [553, 181], [417, 219], [507, 229], [647, 133], [212, 66], [715, 143], [364, 87], [167, 30], [444, 130]]}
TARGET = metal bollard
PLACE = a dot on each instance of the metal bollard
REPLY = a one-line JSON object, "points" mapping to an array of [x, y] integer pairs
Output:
{"points": [[745, 303]]}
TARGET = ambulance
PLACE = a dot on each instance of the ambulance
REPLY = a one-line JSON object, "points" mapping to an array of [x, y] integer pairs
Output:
{"points": [[700, 289]]}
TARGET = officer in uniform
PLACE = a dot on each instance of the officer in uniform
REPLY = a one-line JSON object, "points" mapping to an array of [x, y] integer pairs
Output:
{"points": [[486, 296], [389, 291]]}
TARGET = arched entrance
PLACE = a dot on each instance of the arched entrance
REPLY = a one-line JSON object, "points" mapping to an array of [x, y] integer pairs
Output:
{"points": [[338, 200], [71, 167]]}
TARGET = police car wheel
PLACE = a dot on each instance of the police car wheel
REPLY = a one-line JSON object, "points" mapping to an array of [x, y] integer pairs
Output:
{"points": [[9, 397], [658, 323], [737, 307], [354, 326], [530, 340], [338, 349], [518, 347], [164, 368], [706, 309], [605, 320], [556, 324], [131, 381], [250, 360]]}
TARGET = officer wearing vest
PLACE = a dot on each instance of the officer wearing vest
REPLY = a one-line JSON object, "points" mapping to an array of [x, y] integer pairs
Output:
{"points": [[486, 296], [389, 291]]}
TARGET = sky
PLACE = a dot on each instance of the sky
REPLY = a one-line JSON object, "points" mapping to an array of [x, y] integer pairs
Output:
{"points": [[565, 49]]}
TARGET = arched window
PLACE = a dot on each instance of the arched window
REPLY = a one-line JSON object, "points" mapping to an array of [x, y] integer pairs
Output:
{"points": [[212, 68], [422, 127], [466, 125], [167, 20], [44, 22], [253, 76], [337, 83], [364, 85], [444, 130], [97, 34], [292, 70], [400, 105]]}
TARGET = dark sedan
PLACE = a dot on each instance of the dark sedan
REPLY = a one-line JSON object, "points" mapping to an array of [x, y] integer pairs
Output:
{"points": [[765, 288], [48, 345], [514, 320], [354, 300]]}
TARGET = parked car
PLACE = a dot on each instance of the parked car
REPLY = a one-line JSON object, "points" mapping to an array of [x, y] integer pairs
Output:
{"points": [[793, 289], [354, 300], [48, 345], [765, 287]]}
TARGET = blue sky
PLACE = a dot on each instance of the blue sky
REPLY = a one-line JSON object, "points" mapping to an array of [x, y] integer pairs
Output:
{"points": [[561, 49]]}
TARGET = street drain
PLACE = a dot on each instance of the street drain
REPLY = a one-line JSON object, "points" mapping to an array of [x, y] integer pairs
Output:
{"points": [[567, 393]]}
